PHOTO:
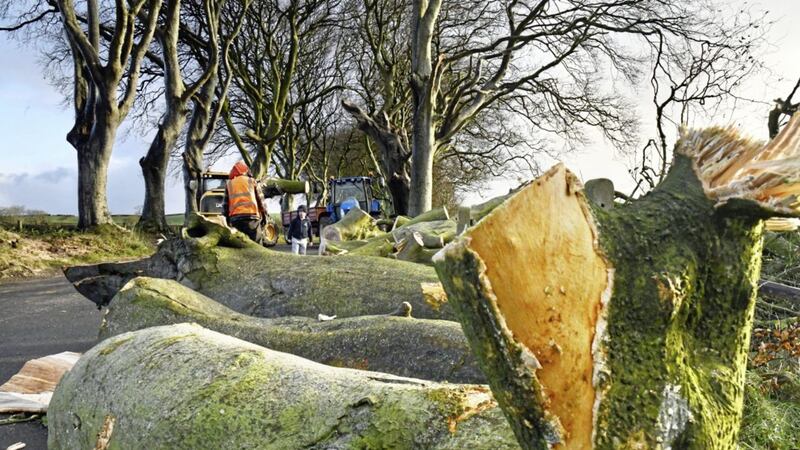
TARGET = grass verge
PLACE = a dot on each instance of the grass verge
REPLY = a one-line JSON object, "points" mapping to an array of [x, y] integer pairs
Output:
{"points": [[38, 252]]}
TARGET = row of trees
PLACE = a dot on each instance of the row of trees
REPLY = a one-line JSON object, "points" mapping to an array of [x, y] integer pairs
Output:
{"points": [[418, 91]]}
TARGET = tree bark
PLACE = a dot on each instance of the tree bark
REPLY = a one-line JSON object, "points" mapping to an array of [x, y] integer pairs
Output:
{"points": [[229, 268], [422, 156], [394, 154], [628, 327], [154, 163], [154, 169], [424, 83], [393, 343], [185, 387], [197, 137], [93, 160]]}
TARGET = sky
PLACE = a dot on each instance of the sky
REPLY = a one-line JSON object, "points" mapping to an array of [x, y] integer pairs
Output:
{"points": [[39, 168]]}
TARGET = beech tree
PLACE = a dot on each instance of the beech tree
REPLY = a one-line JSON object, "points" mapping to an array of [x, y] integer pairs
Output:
{"points": [[205, 31], [105, 89], [546, 55], [280, 43]]}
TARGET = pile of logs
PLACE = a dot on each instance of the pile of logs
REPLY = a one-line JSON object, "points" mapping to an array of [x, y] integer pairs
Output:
{"points": [[408, 239]]}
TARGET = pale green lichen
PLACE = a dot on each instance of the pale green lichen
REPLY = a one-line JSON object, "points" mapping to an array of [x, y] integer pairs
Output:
{"points": [[113, 345], [214, 391]]}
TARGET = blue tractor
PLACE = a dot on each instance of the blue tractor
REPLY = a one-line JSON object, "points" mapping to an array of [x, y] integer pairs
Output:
{"points": [[353, 192], [345, 194]]}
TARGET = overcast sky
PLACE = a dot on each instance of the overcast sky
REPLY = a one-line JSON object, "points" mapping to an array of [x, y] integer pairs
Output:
{"points": [[39, 167]]}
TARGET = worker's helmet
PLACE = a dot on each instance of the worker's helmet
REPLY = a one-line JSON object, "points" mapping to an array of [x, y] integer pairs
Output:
{"points": [[238, 169]]}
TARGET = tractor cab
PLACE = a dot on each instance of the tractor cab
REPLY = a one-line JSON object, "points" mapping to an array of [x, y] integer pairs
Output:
{"points": [[211, 193], [353, 192]]}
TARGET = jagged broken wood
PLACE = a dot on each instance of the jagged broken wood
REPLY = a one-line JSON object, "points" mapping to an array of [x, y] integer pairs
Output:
{"points": [[626, 327], [185, 387], [255, 281], [392, 343]]}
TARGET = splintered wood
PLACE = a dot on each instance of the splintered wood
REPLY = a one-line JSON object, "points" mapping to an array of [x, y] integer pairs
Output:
{"points": [[732, 167], [543, 267], [30, 389]]}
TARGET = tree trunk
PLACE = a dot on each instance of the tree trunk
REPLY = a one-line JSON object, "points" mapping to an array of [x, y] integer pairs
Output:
{"points": [[234, 271], [197, 136], [391, 343], [93, 161], [394, 154], [422, 154], [154, 169], [629, 327], [424, 84], [185, 387]]}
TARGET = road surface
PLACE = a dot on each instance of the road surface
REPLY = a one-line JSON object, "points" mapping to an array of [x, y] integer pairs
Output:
{"points": [[38, 318]]}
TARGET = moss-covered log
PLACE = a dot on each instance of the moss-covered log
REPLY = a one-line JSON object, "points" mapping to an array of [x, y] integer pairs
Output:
{"points": [[428, 236], [624, 328], [412, 248], [185, 387], [434, 233], [355, 225], [392, 343], [259, 282]]}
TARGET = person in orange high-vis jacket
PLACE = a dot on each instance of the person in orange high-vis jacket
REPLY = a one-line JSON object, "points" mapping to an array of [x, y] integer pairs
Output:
{"points": [[243, 205]]}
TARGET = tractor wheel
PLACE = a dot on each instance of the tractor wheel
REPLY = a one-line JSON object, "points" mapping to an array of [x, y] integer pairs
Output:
{"points": [[270, 235]]}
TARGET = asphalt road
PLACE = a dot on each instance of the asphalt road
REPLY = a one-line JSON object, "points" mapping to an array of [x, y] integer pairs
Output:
{"points": [[38, 318]]}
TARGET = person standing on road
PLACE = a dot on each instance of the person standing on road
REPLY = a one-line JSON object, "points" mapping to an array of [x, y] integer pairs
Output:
{"points": [[300, 232], [243, 205]]}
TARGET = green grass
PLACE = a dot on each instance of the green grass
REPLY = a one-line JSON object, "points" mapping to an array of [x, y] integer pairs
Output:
{"points": [[68, 221], [771, 411], [39, 251], [772, 392]]}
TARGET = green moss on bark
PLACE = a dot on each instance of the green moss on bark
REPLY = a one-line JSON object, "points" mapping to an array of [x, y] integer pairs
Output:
{"points": [[680, 317], [428, 349], [207, 390]]}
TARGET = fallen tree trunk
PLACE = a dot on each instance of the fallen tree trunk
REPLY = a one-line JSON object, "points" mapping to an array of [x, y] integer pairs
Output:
{"points": [[428, 216], [355, 225], [185, 387], [428, 349], [272, 187], [252, 280], [779, 290], [412, 248], [626, 327]]}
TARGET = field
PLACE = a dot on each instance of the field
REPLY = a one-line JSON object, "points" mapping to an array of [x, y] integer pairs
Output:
{"points": [[51, 221], [39, 245]]}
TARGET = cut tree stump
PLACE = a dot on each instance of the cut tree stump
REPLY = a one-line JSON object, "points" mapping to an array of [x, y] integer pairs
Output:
{"points": [[429, 349], [185, 387], [625, 328], [255, 281]]}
